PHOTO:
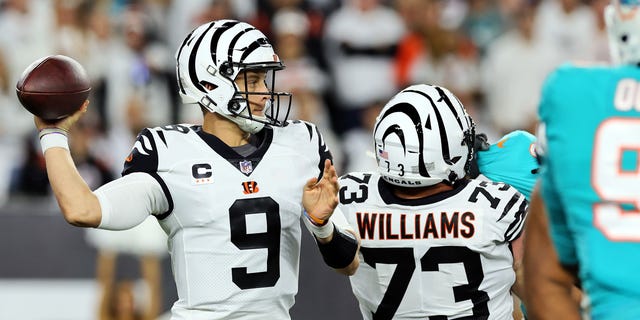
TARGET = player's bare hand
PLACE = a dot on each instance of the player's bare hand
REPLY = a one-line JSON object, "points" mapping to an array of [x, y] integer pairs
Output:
{"points": [[65, 123], [320, 198]]}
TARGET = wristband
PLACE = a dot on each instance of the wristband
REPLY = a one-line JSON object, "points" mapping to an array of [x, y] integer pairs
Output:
{"points": [[314, 220], [53, 137], [323, 231], [340, 251]]}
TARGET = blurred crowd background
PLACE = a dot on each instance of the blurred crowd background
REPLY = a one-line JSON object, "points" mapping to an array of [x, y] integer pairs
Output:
{"points": [[344, 59]]}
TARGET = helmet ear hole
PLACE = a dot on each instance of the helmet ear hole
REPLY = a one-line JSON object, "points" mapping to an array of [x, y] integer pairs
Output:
{"points": [[208, 85]]}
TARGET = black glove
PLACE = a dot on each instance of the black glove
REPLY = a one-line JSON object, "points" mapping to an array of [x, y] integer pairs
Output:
{"points": [[480, 144]]}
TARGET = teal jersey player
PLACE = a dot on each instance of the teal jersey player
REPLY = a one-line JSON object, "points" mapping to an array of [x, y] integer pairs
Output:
{"points": [[511, 160], [590, 180]]}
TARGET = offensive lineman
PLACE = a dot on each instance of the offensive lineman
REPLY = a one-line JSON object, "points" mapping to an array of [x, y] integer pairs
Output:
{"points": [[434, 244], [230, 193]]}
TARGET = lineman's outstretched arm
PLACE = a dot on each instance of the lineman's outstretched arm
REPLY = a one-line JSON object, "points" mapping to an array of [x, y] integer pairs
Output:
{"points": [[548, 285], [338, 244]]}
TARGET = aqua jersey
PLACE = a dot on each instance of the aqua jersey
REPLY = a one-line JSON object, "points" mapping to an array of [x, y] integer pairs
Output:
{"points": [[590, 181], [511, 160]]}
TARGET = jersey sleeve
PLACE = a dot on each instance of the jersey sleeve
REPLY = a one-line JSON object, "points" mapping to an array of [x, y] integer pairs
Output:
{"points": [[145, 158], [319, 149], [354, 190], [509, 207], [128, 201]]}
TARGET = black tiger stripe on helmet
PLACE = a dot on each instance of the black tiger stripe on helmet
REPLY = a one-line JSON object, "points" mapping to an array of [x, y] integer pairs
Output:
{"points": [[411, 151]]}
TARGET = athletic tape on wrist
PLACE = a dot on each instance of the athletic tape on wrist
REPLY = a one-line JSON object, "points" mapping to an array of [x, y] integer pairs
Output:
{"points": [[319, 231], [53, 137]]}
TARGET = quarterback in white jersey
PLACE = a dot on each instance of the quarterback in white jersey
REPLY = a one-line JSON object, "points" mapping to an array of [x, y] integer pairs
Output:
{"points": [[435, 245], [229, 193], [233, 222]]}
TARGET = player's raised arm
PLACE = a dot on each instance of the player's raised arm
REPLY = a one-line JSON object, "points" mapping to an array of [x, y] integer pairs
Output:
{"points": [[337, 243], [117, 205], [79, 205]]}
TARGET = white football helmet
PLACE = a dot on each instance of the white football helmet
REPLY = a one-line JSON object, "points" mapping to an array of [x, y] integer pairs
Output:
{"points": [[213, 55], [622, 18], [423, 136]]}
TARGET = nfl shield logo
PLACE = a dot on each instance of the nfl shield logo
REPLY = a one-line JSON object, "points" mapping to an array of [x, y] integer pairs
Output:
{"points": [[246, 167]]}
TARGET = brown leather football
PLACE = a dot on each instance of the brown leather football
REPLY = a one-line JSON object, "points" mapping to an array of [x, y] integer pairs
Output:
{"points": [[53, 87]]}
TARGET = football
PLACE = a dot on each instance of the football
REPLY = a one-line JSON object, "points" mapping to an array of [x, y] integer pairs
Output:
{"points": [[53, 87]]}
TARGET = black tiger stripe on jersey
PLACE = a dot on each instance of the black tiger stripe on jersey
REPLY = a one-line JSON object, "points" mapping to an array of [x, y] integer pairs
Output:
{"points": [[515, 228], [309, 128], [324, 153], [507, 208], [143, 157], [161, 135]]}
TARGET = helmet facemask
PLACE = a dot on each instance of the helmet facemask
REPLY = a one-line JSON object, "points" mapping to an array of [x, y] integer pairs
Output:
{"points": [[277, 107]]}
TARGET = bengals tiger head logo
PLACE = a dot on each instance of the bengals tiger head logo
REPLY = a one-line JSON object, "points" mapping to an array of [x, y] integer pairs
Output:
{"points": [[250, 187]]}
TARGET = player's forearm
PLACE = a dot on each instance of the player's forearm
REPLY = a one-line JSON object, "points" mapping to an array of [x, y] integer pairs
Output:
{"points": [[79, 206], [549, 299], [517, 246], [518, 287], [548, 284], [351, 268]]}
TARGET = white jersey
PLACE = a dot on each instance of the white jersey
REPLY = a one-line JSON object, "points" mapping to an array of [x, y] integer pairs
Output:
{"points": [[233, 222], [442, 257]]}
